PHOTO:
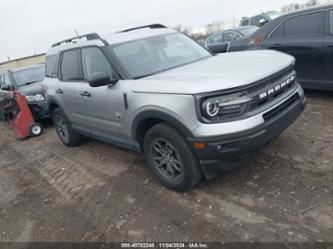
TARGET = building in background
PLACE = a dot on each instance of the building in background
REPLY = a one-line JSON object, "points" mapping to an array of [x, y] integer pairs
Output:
{"points": [[22, 62]]}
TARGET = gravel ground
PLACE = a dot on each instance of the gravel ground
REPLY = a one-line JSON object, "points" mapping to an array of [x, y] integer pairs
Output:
{"points": [[97, 192]]}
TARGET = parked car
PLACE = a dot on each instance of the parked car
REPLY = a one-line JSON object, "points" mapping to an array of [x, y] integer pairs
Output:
{"points": [[219, 42], [260, 20], [156, 91], [308, 36], [27, 81]]}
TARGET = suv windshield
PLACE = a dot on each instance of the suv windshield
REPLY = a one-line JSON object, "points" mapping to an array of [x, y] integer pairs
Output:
{"points": [[29, 76], [156, 54]]}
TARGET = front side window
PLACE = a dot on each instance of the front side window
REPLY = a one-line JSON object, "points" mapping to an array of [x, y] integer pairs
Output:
{"points": [[279, 32], [28, 76], [305, 25], [94, 62], [70, 69], [155, 54]]}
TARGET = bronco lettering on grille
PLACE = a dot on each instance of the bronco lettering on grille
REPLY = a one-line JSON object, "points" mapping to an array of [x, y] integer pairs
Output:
{"points": [[278, 87]]}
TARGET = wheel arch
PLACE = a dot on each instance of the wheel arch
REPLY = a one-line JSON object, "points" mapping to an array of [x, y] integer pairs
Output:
{"points": [[147, 119]]}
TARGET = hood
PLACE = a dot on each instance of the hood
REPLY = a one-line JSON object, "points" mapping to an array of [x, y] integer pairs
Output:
{"points": [[32, 89], [221, 72]]}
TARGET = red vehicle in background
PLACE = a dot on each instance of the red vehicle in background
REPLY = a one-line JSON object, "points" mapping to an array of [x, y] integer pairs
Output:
{"points": [[16, 111]]}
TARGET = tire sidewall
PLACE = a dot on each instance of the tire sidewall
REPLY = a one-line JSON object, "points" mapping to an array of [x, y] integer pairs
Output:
{"points": [[60, 113]]}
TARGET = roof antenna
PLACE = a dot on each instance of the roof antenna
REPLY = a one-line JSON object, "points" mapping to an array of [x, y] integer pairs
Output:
{"points": [[77, 34]]}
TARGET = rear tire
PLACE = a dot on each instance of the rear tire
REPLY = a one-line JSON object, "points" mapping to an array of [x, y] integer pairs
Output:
{"points": [[64, 129], [171, 158], [36, 130]]}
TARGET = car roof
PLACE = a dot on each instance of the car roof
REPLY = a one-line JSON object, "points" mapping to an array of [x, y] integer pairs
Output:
{"points": [[111, 39]]}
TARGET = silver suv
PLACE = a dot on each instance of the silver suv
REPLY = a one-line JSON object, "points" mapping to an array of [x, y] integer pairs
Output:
{"points": [[153, 90]]}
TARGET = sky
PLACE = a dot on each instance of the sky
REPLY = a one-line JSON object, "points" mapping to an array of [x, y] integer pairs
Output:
{"points": [[30, 27]]}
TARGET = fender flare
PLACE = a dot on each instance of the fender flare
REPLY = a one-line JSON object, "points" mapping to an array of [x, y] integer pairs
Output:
{"points": [[162, 116]]}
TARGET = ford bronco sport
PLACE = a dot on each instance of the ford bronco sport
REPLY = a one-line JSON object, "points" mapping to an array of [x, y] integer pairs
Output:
{"points": [[153, 90]]}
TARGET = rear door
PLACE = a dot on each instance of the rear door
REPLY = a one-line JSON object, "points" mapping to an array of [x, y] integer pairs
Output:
{"points": [[70, 75], [302, 36], [328, 51]]}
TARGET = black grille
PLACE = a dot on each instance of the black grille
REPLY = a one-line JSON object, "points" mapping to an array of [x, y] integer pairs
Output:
{"points": [[258, 102], [271, 114], [270, 81]]}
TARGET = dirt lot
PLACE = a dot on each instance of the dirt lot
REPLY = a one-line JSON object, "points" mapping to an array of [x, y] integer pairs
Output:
{"points": [[97, 192]]}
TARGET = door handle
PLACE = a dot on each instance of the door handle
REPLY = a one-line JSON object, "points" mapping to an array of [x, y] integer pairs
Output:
{"points": [[85, 94], [59, 91]]}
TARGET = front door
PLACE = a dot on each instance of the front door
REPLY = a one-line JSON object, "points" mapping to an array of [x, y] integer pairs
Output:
{"points": [[102, 107]]}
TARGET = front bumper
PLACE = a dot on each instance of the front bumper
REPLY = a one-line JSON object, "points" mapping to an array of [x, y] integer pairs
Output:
{"points": [[40, 110], [227, 152]]}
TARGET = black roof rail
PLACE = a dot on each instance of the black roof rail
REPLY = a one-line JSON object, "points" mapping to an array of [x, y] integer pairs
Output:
{"points": [[90, 36], [151, 26]]}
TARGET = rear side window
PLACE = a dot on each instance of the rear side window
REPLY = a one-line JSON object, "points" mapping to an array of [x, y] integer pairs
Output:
{"points": [[231, 36], [217, 38], [51, 67], [70, 68], [305, 25]]}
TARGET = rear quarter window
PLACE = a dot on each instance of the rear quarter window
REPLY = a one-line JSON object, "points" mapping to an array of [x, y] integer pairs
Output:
{"points": [[51, 66]]}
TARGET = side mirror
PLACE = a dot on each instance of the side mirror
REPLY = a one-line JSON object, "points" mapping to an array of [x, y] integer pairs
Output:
{"points": [[219, 48], [101, 79], [5, 87], [262, 22]]}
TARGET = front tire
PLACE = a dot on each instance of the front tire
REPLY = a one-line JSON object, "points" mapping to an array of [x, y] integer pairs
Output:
{"points": [[171, 159], [64, 129]]}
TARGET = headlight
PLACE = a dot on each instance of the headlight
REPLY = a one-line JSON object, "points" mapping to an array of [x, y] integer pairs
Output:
{"points": [[35, 98], [224, 106]]}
